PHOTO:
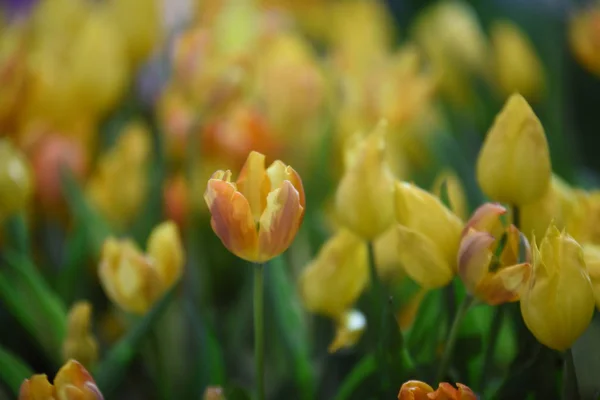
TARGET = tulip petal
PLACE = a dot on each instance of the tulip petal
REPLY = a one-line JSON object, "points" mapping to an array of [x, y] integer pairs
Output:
{"points": [[512, 248], [36, 387], [414, 390], [487, 219], [422, 260], [505, 285], [474, 257], [74, 376], [232, 219], [280, 221], [165, 248], [253, 183], [279, 172]]}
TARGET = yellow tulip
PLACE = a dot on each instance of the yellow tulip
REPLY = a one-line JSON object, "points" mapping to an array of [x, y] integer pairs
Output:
{"points": [[557, 303], [387, 262], [428, 234], [72, 382], [80, 343], [589, 203], [134, 280], [349, 328], [364, 197], [591, 255], [13, 71], [454, 190], [333, 281], [16, 180], [517, 66], [584, 37], [514, 162]]}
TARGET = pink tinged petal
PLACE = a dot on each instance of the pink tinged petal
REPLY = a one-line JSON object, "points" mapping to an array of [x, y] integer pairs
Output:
{"points": [[504, 285], [232, 219], [487, 219], [474, 257], [254, 184], [280, 221]]}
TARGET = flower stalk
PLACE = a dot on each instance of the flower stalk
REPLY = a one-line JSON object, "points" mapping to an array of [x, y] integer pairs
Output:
{"points": [[259, 336]]}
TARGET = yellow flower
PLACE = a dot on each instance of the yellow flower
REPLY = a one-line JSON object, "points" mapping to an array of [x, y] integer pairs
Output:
{"points": [[557, 304], [134, 280], [13, 70], [16, 180], [494, 280], [591, 255], [257, 217], [334, 280], [348, 330], [588, 215], [80, 343], [387, 262], [454, 190], [517, 66], [364, 197], [72, 382], [429, 236], [514, 162], [584, 37], [417, 390]]}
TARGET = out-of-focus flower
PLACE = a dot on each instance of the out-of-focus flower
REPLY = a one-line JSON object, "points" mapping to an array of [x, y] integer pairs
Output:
{"points": [[417, 390], [560, 205], [16, 180], [516, 64], [119, 185], [13, 71], [80, 343], [364, 197], [429, 236], [214, 393], [139, 25], [177, 118], [491, 277], [584, 37], [388, 265], [591, 255], [72, 382], [589, 214], [449, 182], [57, 20], [348, 330], [557, 303], [514, 162], [332, 282], [258, 216], [134, 280], [176, 196]]}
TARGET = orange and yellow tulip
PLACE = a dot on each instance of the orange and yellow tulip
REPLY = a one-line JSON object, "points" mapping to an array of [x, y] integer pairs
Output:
{"points": [[72, 382], [258, 216], [417, 390]]}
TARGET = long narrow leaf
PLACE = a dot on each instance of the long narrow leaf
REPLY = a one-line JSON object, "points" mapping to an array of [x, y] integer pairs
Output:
{"points": [[13, 371], [363, 370]]}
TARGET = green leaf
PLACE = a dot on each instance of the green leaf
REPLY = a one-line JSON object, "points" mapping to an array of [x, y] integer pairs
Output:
{"points": [[113, 367], [586, 360], [17, 235], [361, 372], [14, 370], [236, 393], [283, 299], [423, 336], [74, 266]]}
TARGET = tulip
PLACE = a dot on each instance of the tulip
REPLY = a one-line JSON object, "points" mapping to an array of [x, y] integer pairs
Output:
{"points": [[494, 280], [16, 180], [214, 393], [257, 217], [135, 281], [517, 66], [72, 382], [364, 197], [429, 236], [176, 198], [588, 211], [417, 390], [514, 162], [591, 255], [349, 328], [584, 37], [13, 71], [334, 280], [80, 343], [454, 190], [557, 304]]}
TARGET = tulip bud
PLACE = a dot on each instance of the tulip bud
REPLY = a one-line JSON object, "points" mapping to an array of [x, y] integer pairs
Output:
{"points": [[518, 68], [80, 344], [165, 248], [72, 382], [364, 197], [417, 390], [16, 181], [454, 190], [349, 328], [514, 162], [334, 280], [557, 304], [429, 236], [257, 217], [591, 255], [584, 37]]}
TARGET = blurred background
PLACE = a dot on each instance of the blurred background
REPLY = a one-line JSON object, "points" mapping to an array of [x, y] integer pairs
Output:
{"points": [[114, 113]]}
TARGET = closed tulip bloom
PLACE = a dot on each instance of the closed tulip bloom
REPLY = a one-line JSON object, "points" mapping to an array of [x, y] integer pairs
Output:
{"points": [[334, 280], [417, 390], [258, 216], [584, 37], [591, 255], [454, 190], [80, 343], [364, 197], [557, 304], [491, 278], [72, 382], [429, 236], [16, 179], [348, 330], [514, 162]]}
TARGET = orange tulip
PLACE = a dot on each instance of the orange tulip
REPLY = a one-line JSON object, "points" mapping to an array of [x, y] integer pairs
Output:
{"points": [[417, 390], [258, 216], [72, 382]]}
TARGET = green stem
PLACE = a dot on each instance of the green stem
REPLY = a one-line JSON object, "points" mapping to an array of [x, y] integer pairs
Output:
{"points": [[259, 337], [570, 384], [453, 336], [491, 344]]}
